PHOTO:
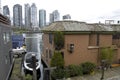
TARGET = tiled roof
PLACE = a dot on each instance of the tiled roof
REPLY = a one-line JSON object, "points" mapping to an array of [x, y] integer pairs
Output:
{"points": [[80, 26]]}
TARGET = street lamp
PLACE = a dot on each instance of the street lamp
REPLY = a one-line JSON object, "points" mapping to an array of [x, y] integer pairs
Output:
{"points": [[103, 67]]}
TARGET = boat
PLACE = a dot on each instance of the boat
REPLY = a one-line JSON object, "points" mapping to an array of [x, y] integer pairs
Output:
{"points": [[17, 41]]}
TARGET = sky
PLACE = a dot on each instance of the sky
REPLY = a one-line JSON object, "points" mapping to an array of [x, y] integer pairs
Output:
{"points": [[80, 10]]}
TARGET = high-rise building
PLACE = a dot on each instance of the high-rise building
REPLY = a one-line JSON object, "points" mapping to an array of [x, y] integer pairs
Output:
{"points": [[17, 15], [34, 16], [51, 18], [27, 16], [42, 18], [54, 16], [6, 11], [66, 17]]}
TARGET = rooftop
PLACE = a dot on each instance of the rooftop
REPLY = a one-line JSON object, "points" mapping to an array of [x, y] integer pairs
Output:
{"points": [[79, 26]]}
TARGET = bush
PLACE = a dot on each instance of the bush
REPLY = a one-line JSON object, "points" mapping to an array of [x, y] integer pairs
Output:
{"points": [[57, 60], [88, 67], [58, 73], [74, 70], [107, 54]]}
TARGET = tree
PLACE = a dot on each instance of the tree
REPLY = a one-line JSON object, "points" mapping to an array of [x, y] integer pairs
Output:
{"points": [[57, 60], [58, 40], [107, 54]]}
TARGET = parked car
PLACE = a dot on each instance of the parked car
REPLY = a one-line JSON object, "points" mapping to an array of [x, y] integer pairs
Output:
{"points": [[28, 63]]}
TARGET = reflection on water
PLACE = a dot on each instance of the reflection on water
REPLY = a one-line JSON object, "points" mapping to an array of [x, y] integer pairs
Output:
{"points": [[33, 44]]}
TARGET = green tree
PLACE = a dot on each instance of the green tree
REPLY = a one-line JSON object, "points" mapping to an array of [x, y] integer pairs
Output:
{"points": [[57, 60], [107, 54], [58, 40]]}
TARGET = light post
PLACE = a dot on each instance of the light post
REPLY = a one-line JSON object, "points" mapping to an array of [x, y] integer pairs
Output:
{"points": [[103, 67]]}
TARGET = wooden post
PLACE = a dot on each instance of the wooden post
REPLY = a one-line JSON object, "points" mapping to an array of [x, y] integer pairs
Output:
{"points": [[49, 69], [34, 67]]}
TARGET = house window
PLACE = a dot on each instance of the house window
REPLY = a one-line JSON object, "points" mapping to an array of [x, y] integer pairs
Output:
{"points": [[6, 37], [46, 53], [116, 39], [97, 40], [94, 40], [50, 38], [50, 54], [116, 36]]}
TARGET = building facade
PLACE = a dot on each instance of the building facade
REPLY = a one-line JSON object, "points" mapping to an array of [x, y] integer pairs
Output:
{"points": [[54, 16], [66, 17], [82, 41], [6, 58], [27, 16], [42, 18], [17, 15], [33, 16], [6, 11]]}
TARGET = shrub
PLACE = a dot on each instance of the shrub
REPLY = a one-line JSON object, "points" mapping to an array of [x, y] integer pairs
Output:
{"points": [[57, 60], [58, 73], [88, 67], [107, 54], [74, 70]]}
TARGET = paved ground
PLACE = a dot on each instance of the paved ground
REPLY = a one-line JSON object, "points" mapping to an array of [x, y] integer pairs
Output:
{"points": [[110, 74]]}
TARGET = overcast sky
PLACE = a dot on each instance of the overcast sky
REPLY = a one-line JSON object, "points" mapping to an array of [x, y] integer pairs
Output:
{"points": [[80, 10]]}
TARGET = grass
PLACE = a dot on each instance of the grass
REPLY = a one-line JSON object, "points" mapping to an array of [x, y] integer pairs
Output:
{"points": [[16, 73]]}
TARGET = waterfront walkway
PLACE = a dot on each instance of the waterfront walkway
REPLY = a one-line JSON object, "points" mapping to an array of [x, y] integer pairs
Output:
{"points": [[110, 74]]}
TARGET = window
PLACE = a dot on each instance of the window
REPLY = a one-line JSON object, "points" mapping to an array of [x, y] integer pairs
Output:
{"points": [[46, 53], [97, 40], [6, 37], [50, 54], [116, 36], [50, 38], [94, 40]]}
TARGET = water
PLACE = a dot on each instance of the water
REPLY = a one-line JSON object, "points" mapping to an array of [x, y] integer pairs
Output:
{"points": [[33, 44]]}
